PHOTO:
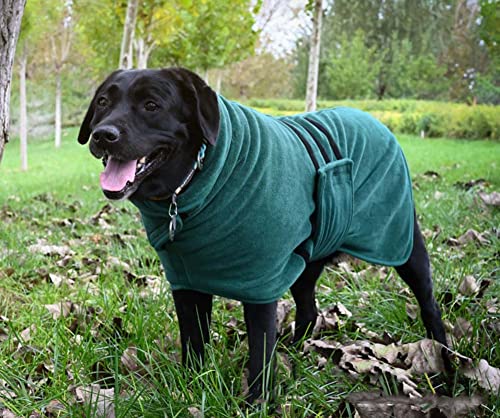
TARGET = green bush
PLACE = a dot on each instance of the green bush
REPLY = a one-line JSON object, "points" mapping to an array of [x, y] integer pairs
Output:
{"points": [[434, 119]]}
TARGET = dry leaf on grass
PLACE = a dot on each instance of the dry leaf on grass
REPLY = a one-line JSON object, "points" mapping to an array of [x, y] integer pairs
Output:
{"points": [[361, 358], [26, 333], [375, 405], [55, 408], [471, 235], [424, 356], [195, 412], [490, 199], [283, 311], [100, 400], [462, 328], [7, 413], [412, 311], [468, 286], [56, 279], [61, 309], [331, 318], [42, 247], [116, 262], [5, 391], [487, 377], [405, 362], [325, 348], [130, 361]]}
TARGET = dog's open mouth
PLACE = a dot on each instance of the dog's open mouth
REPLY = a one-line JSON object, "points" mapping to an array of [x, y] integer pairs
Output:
{"points": [[121, 178]]}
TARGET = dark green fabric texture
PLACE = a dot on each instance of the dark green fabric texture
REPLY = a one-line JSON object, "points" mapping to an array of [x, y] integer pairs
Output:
{"points": [[249, 209]]}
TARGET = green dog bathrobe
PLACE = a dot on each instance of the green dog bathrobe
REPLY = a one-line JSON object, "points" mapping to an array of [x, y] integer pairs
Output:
{"points": [[275, 193]]}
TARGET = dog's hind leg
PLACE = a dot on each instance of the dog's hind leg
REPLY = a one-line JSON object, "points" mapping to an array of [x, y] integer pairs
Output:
{"points": [[303, 292], [260, 320], [194, 313], [416, 272]]}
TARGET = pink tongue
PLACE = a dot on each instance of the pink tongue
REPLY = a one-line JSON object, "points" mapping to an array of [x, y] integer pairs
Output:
{"points": [[116, 174]]}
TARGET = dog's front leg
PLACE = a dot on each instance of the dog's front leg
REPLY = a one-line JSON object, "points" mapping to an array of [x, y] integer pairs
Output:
{"points": [[194, 312], [260, 321]]}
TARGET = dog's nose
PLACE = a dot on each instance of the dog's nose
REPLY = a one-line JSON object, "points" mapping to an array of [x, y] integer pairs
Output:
{"points": [[106, 133]]}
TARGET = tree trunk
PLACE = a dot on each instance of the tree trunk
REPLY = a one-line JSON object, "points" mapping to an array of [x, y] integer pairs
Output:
{"points": [[143, 48], [57, 112], [312, 72], [126, 51], [10, 23], [23, 112], [218, 82]]}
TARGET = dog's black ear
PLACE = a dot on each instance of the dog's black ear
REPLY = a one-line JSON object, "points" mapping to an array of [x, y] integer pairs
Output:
{"points": [[205, 105], [84, 134], [85, 131]]}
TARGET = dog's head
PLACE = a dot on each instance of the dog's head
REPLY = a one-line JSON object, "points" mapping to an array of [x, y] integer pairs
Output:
{"points": [[147, 126]]}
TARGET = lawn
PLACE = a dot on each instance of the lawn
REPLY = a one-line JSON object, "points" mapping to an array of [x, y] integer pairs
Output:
{"points": [[83, 301]]}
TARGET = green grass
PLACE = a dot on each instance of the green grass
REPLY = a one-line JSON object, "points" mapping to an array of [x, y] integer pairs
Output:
{"points": [[58, 199]]}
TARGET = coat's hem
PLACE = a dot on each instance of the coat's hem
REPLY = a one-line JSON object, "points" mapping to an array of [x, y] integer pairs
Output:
{"points": [[394, 263], [227, 296]]}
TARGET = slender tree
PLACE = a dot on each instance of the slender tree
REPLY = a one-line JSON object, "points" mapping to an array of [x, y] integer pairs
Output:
{"points": [[313, 69], [23, 108], [61, 44], [10, 23], [126, 51]]}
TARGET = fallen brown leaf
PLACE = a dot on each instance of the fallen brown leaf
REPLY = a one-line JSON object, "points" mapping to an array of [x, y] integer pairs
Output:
{"points": [[55, 408], [116, 262], [487, 377], [61, 309], [56, 279], [325, 348], [5, 391], [412, 311], [42, 247], [355, 359], [283, 311], [490, 199], [26, 333], [468, 286], [424, 356], [129, 359], [473, 236], [462, 328], [100, 400], [7, 413], [195, 412], [375, 405]]}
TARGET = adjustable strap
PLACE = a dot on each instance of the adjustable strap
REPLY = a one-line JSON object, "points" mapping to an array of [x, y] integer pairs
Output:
{"points": [[325, 132], [306, 143], [301, 250], [321, 148]]}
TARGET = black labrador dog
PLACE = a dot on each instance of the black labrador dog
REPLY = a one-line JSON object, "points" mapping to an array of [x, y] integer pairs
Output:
{"points": [[154, 131]]}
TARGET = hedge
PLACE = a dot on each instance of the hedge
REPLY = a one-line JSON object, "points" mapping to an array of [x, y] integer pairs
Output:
{"points": [[415, 117]]}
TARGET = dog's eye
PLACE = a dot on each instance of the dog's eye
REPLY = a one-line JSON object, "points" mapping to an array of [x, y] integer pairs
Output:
{"points": [[102, 101], [151, 106]]}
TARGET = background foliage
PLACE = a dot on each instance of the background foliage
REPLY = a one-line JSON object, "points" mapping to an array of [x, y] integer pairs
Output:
{"points": [[446, 50]]}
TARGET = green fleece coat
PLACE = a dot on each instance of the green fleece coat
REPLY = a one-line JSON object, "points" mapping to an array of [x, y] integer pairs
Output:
{"points": [[260, 208]]}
